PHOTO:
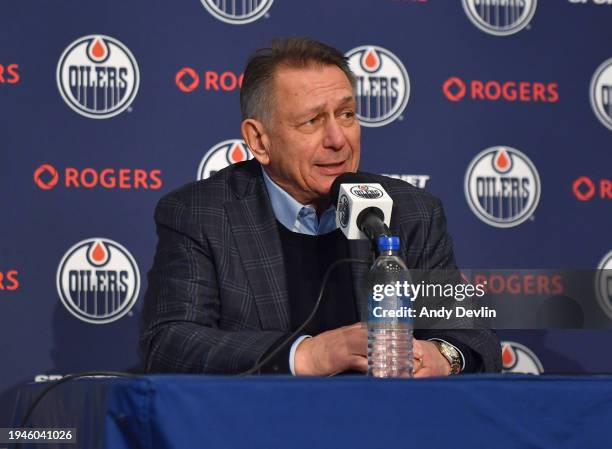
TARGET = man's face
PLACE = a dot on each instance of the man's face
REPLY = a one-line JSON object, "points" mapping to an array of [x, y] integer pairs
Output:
{"points": [[313, 134]]}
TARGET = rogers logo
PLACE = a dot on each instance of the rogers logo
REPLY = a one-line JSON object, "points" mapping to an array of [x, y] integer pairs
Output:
{"points": [[455, 89], [8, 280], [188, 80], [520, 283], [585, 189], [47, 177], [9, 74]]}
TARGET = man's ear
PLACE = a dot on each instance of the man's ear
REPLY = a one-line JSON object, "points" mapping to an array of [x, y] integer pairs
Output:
{"points": [[255, 136]]}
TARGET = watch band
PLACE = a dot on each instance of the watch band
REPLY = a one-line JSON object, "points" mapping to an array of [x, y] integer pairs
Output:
{"points": [[450, 354]]}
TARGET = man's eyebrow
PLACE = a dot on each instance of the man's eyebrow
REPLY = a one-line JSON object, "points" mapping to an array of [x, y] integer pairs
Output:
{"points": [[347, 99], [314, 109], [318, 108]]}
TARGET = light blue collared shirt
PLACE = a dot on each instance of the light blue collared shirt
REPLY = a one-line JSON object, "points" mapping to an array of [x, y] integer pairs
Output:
{"points": [[295, 216]]}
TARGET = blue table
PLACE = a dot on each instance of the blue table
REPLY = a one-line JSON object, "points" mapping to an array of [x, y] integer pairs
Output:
{"points": [[344, 412]]}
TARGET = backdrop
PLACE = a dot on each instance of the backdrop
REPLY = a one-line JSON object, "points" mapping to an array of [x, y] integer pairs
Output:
{"points": [[500, 108]]}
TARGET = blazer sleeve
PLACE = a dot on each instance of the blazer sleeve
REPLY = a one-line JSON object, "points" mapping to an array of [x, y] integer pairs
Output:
{"points": [[482, 344], [180, 319]]}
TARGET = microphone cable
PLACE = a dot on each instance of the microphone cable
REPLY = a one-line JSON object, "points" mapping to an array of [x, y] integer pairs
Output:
{"points": [[65, 379], [315, 308]]}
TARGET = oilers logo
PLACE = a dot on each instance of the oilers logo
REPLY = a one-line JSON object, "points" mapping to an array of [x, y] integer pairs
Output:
{"points": [[223, 155], [367, 192], [237, 13], [517, 358], [601, 93], [603, 284], [500, 17], [98, 76], [344, 208], [383, 85], [502, 187], [98, 281]]}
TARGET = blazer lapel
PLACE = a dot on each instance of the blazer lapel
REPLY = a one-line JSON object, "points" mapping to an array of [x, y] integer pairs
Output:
{"points": [[255, 232]]}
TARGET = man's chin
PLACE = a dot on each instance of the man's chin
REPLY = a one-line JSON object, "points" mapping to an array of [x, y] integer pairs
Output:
{"points": [[325, 182]]}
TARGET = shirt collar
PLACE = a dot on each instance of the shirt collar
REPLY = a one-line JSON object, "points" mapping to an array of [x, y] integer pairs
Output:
{"points": [[295, 216]]}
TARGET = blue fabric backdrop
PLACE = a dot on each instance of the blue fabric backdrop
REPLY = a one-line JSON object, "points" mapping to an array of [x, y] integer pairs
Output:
{"points": [[80, 176]]}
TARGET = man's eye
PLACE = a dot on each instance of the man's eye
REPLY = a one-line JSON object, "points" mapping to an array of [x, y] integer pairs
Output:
{"points": [[348, 114], [313, 121]]}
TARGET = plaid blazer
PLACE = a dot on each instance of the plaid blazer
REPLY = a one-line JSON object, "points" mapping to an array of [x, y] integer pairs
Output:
{"points": [[217, 296]]}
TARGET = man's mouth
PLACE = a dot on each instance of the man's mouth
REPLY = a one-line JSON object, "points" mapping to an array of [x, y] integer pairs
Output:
{"points": [[333, 168]]}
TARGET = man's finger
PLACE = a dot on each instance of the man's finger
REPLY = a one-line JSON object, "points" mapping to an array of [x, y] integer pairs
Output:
{"points": [[417, 365], [423, 372], [359, 363], [417, 349]]}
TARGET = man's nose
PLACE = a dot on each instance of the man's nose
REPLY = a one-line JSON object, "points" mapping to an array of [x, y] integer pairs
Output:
{"points": [[334, 135]]}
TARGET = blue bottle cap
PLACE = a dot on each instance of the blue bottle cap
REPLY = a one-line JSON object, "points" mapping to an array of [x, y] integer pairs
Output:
{"points": [[388, 243]]}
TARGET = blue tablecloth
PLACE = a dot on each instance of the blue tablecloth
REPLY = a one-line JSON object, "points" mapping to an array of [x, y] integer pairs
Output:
{"points": [[344, 412]]}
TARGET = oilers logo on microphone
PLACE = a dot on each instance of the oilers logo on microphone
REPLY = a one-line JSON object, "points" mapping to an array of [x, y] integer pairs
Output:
{"points": [[237, 13], [344, 211], [367, 192], [500, 17], [601, 93], [98, 76], [98, 280], [502, 187], [383, 85], [223, 155]]}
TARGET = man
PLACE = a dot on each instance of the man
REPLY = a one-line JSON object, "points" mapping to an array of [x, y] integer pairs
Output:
{"points": [[242, 254]]}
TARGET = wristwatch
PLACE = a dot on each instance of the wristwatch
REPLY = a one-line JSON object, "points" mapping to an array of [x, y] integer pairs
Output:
{"points": [[451, 354]]}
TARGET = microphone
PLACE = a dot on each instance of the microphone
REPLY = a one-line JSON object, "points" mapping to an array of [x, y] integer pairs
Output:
{"points": [[363, 208]]}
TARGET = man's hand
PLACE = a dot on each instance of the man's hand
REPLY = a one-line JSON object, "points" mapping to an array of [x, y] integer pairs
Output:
{"points": [[428, 361], [333, 351], [346, 348]]}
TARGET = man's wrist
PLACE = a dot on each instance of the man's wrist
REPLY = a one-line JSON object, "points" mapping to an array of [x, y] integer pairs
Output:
{"points": [[451, 353], [293, 352]]}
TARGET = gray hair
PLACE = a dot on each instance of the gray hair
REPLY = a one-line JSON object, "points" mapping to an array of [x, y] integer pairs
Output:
{"points": [[256, 93]]}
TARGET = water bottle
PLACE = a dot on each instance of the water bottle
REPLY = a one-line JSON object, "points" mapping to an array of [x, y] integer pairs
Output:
{"points": [[389, 322]]}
